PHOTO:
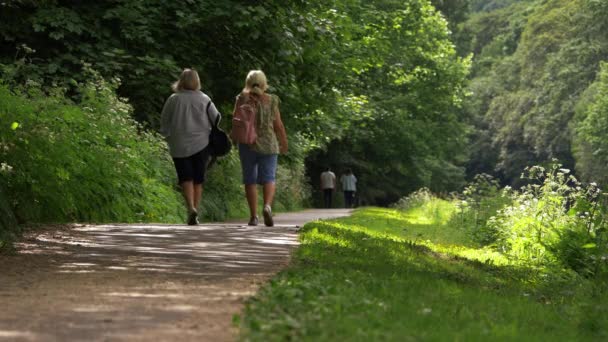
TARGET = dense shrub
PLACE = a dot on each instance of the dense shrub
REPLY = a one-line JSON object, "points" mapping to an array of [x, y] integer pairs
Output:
{"points": [[590, 145], [478, 202], [82, 162], [8, 225], [555, 220]]}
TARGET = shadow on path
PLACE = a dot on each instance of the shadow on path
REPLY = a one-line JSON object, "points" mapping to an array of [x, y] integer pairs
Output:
{"points": [[145, 282]]}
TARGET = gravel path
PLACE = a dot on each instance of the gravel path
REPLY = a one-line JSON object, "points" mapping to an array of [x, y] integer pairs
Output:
{"points": [[141, 282]]}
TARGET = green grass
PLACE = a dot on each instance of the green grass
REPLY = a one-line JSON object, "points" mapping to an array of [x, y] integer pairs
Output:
{"points": [[387, 275]]}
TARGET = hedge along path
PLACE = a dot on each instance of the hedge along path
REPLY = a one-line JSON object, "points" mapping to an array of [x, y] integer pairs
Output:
{"points": [[144, 282]]}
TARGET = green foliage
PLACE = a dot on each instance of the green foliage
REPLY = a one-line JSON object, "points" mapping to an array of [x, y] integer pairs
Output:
{"points": [[590, 127], [414, 200], [8, 224], [533, 61], [492, 5], [342, 69], [479, 201], [424, 204], [82, 162], [413, 84], [455, 11], [361, 278], [294, 191], [554, 220]]}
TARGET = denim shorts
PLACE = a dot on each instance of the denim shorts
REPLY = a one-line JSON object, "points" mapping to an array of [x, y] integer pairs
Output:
{"points": [[257, 168]]}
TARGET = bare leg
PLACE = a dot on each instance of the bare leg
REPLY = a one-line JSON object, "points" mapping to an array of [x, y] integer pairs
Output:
{"points": [[251, 192], [188, 191], [198, 192], [269, 190]]}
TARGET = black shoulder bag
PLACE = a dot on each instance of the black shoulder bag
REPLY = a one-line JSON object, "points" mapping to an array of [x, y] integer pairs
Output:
{"points": [[219, 144]]}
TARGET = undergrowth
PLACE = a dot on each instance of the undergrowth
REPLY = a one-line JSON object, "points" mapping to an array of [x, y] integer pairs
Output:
{"points": [[82, 162]]}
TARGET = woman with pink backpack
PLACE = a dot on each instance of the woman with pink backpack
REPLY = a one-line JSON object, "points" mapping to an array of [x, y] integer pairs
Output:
{"points": [[260, 134]]}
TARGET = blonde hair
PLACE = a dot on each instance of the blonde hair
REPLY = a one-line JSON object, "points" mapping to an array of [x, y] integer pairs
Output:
{"points": [[255, 82], [188, 80]]}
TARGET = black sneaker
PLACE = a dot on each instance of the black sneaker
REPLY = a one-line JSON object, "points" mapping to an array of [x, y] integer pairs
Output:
{"points": [[253, 221], [193, 218], [268, 216]]}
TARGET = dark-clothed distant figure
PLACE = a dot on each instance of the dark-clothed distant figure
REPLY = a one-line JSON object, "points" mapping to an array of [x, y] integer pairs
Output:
{"points": [[328, 185], [349, 187]]}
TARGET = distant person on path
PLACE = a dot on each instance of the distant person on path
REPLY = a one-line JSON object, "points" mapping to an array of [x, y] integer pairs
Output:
{"points": [[259, 160], [186, 127], [328, 185], [349, 187]]}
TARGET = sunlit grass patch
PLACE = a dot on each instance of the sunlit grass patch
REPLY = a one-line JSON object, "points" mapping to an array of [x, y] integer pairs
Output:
{"points": [[366, 278]]}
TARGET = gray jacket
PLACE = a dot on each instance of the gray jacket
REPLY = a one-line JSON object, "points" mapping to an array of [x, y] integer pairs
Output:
{"points": [[184, 122]]}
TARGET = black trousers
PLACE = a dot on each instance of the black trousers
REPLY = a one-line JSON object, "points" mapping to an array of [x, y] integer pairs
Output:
{"points": [[349, 199], [327, 197]]}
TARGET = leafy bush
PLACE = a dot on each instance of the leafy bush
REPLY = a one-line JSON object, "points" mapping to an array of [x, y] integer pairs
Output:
{"points": [[8, 225], [555, 220], [590, 145], [479, 201], [82, 162]]}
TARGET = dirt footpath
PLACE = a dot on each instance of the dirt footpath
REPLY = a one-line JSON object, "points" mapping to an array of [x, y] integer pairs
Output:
{"points": [[141, 282]]}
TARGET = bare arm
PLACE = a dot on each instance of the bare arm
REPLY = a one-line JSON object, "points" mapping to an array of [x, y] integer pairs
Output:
{"points": [[279, 129]]}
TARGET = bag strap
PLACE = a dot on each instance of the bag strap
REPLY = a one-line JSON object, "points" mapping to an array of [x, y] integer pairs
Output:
{"points": [[217, 120]]}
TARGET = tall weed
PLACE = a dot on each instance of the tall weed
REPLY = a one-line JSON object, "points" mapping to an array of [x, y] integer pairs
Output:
{"points": [[478, 202], [555, 220]]}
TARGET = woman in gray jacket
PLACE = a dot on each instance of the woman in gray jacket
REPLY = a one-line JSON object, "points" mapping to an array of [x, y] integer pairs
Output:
{"points": [[186, 127]]}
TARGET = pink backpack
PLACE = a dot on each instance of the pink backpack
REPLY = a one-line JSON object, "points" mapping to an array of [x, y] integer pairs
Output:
{"points": [[243, 124]]}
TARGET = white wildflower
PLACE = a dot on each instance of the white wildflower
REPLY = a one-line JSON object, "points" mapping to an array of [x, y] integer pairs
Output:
{"points": [[5, 168]]}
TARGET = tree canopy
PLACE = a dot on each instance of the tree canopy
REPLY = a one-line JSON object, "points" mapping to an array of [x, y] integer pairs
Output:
{"points": [[406, 93], [379, 82]]}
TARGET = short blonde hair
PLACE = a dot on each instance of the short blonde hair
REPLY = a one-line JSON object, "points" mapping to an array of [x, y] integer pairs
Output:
{"points": [[188, 80], [256, 82]]}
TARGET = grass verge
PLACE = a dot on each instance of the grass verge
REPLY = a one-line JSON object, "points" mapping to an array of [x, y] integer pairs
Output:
{"points": [[388, 275]]}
